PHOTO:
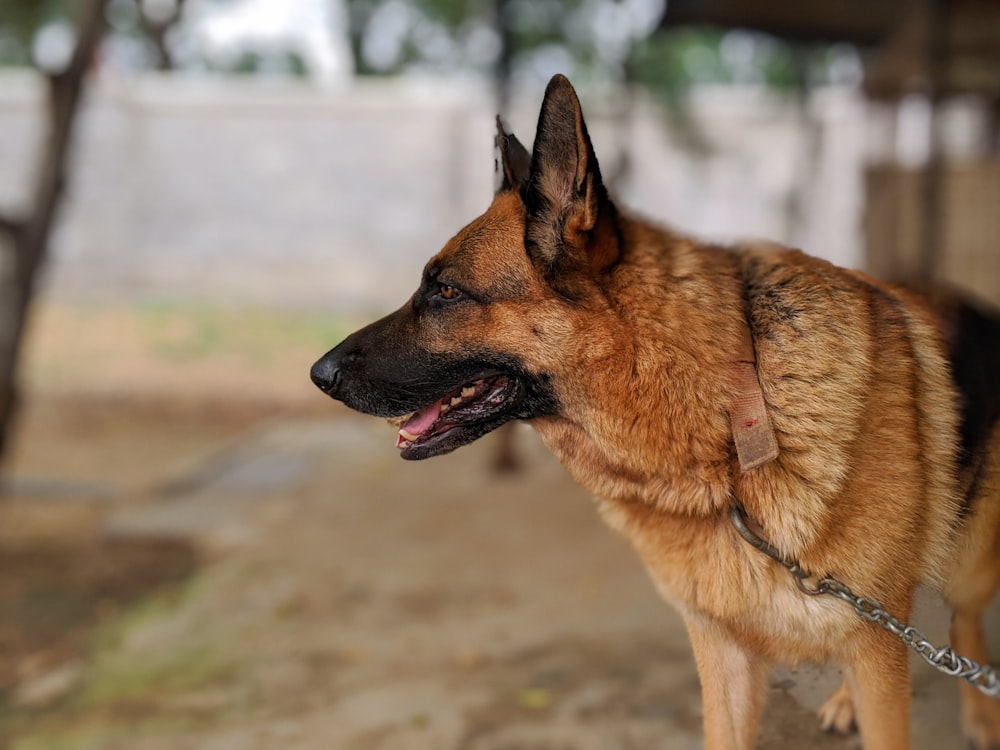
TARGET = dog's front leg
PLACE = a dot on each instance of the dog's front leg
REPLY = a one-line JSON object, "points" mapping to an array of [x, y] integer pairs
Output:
{"points": [[879, 677], [733, 684]]}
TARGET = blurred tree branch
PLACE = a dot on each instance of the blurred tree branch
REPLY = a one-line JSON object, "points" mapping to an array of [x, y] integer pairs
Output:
{"points": [[24, 241], [157, 28]]}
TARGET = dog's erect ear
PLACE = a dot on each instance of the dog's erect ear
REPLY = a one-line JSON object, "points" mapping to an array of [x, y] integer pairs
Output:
{"points": [[513, 162], [571, 220]]}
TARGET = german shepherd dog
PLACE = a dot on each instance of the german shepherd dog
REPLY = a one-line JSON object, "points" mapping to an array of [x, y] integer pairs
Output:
{"points": [[622, 343]]}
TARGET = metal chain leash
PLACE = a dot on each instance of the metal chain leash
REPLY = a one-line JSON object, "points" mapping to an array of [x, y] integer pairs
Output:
{"points": [[981, 676]]}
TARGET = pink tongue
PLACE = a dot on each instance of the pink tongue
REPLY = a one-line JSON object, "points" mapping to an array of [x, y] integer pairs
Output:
{"points": [[420, 421]]}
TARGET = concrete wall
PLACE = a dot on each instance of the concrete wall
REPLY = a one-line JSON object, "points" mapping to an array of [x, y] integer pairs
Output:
{"points": [[250, 192]]}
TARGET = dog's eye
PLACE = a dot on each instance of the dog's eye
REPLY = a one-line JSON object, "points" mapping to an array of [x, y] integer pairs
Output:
{"points": [[448, 292]]}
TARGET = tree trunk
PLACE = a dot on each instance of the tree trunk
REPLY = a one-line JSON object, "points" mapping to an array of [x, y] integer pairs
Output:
{"points": [[24, 241], [503, 18]]}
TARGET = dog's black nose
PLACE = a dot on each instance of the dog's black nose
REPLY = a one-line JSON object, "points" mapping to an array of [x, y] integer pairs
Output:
{"points": [[326, 375]]}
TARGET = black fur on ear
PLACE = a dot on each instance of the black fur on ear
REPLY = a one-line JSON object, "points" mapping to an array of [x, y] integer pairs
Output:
{"points": [[513, 162], [571, 220]]}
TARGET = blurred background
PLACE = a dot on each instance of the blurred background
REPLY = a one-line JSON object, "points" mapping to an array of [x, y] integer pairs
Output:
{"points": [[200, 197]]}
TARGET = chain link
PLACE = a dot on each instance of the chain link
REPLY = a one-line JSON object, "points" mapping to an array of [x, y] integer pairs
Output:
{"points": [[981, 676]]}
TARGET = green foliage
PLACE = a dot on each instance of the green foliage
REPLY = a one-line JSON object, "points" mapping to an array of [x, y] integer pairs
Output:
{"points": [[394, 36], [679, 59], [251, 62], [178, 333], [534, 25], [658, 62], [667, 62], [20, 21]]}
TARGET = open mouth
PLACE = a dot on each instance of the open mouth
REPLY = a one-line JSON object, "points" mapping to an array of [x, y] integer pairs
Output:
{"points": [[457, 418]]}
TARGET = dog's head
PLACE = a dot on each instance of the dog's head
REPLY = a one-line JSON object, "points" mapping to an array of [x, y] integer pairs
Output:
{"points": [[490, 334]]}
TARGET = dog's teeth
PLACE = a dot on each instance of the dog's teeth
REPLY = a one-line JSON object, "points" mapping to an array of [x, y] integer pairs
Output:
{"points": [[456, 400], [407, 436], [445, 408], [468, 392], [478, 382]]}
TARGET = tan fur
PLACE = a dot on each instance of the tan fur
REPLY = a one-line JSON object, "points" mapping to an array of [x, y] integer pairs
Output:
{"points": [[637, 330]]}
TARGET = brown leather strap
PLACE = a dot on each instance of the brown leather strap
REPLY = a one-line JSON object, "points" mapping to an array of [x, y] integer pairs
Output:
{"points": [[755, 441]]}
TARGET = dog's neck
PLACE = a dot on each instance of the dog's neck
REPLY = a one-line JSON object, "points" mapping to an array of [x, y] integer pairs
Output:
{"points": [[642, 451]]}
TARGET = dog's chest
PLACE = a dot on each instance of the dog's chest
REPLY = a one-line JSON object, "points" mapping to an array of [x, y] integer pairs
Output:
{"points": [[705, 570]]}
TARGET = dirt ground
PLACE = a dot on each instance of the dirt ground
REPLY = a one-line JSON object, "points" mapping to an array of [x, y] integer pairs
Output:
{"points": [[198, 552]]}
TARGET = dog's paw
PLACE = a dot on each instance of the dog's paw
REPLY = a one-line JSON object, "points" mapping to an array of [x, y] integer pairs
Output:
{"points": [[981, 725], [837, 713]]}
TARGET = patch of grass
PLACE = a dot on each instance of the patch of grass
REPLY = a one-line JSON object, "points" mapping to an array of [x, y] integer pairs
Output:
{"points": [[181, 333], [120, 673], [148, 610], [173, 347], [105, 736], [127, 685], [145, 679]]}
